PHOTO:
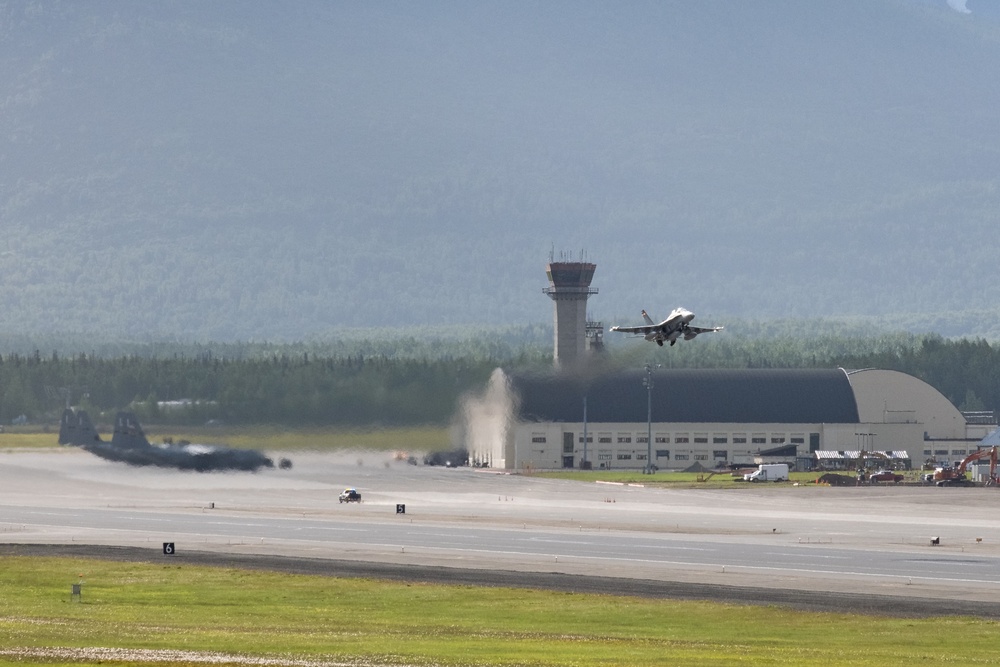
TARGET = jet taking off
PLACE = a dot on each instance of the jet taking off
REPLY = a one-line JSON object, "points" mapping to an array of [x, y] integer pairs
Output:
{"points": [[670, 329]]}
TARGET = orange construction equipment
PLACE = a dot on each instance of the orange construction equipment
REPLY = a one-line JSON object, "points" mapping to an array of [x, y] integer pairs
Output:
{"points": [[956, 475]]}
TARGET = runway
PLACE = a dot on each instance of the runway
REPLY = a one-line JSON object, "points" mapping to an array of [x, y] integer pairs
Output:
{"points": [[768, 542]]}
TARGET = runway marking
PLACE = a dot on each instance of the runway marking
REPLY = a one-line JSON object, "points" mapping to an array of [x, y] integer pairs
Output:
{"points": [[881, 575], [948, 561], [719, 566], [803, 555], [333, 530], [581, 543]]}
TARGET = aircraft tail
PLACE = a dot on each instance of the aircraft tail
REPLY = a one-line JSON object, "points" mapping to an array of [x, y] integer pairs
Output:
{"points": [[128, 432], [75, 428], [647, 318]]}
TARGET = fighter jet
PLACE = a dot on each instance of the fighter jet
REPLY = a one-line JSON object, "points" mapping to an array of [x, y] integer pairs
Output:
{"points": [[670, 329], [129, 445]]}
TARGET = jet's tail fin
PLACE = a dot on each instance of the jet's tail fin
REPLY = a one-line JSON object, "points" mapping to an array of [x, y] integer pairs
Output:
{"points": [[647, 318], [128, 432], [75, 428], [67, 428]]}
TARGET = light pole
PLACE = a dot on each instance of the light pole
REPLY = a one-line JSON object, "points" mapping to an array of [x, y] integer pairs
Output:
{"points": [[648, 383], [865, 443]]}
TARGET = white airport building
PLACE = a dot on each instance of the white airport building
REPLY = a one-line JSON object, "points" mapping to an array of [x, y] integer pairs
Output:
{"points": [[715, 418]]}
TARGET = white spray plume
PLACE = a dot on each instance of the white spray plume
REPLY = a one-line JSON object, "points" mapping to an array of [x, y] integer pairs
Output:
{"points": [[487, 416]]}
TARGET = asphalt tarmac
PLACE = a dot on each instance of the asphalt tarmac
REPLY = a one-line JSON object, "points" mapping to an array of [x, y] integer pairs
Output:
{"points": [[866, 549]]}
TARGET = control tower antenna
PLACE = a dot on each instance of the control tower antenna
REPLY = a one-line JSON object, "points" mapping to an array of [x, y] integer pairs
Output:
{"points": [[569, 287]]}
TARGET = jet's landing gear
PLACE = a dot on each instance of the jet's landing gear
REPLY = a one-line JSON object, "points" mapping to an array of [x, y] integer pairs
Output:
{"points": [[660, 342], [672, 343]]}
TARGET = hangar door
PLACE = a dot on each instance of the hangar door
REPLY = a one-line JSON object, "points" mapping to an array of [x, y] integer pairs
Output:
{"points": [[568, 445]]}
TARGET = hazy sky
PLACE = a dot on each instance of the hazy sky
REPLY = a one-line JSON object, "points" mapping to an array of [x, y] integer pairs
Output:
{"points": [[280, 169]]}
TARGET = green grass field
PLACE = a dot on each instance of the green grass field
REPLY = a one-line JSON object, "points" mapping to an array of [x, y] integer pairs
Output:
{"points": [[417, 438], [34, 439], [272, 438], [249, 615], [683, 479]]}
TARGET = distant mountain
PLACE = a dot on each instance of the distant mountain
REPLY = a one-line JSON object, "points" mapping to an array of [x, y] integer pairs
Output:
{"points": [[276, 171]]}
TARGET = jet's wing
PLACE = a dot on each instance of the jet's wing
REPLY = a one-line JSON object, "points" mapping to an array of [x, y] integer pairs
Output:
{"points": [[649, 327], [690, 332], [634, 330], [701, 330]]}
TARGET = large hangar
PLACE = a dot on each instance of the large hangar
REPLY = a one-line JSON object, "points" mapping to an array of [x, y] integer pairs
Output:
{"points": [[712, 417]]}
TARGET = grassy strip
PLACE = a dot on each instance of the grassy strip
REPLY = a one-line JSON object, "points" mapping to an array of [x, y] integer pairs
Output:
{"points": [[675, 479], [143, 606], [28, 439], [696, 480], [271, 438]]}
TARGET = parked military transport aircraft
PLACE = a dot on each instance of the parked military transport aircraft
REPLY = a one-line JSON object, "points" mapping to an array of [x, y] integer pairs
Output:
{"points": [[670, 329], [129, 445]]}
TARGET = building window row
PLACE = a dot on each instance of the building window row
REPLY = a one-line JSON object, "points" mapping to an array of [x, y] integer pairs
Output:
{"points": [[684, 438], [759, 439]]}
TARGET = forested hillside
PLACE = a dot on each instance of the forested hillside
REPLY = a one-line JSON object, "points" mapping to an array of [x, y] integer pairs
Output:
{"points": [[286, 386], [191, 171]]}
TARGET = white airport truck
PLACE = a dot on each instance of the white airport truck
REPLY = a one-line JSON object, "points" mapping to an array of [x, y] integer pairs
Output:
{"points": [[768, 472]]}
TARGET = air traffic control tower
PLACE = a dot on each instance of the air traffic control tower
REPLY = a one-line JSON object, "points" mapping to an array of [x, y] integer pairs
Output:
{"points": [[569, 287]]}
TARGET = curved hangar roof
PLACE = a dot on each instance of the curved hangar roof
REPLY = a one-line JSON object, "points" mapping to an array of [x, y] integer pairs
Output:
{"points": [[754, 396], [897, 398]]}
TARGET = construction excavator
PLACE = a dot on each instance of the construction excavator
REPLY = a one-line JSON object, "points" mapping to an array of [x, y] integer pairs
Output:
{"points": [[955, 475]]}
